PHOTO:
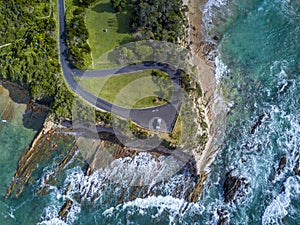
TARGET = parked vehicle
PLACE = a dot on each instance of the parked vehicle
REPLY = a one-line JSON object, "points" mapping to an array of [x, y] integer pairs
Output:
{"points": [[158, 123]]}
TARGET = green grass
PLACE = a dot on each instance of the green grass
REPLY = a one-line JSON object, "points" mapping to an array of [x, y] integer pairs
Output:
{"points": [[133, 90], [102, 16]]}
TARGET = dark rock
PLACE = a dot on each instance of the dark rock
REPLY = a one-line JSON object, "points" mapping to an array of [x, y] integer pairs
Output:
{"points": [[257, 123], [282, 164], [234, 187], [230, 187], [296, 168], [297, 171]]}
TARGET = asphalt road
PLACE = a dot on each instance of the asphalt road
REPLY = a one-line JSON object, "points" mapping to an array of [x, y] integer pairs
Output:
{"points": [[146, 117]]}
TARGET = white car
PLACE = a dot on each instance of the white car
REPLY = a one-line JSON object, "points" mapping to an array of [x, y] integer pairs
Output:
{"points": [[158, 123]]}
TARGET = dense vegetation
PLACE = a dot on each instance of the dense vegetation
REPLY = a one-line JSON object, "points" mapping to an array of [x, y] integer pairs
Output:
{"points": [[160, 20], [29, 55], [156, 19], [77, 33], [119, 5]]}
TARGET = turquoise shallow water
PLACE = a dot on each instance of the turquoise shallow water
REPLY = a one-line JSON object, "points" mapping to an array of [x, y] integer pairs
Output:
{"points": [[14, 138], [259, 48]]}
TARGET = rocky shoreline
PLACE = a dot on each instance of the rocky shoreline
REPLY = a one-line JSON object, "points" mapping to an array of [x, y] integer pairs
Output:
{"points": [[203, 50]]}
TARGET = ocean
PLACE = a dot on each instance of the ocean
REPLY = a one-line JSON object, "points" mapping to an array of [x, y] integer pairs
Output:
{"points": [[257, 68]]}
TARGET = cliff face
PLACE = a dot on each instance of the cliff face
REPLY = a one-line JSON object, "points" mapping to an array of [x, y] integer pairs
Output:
{"points": [[12, 103], [17, 108]]}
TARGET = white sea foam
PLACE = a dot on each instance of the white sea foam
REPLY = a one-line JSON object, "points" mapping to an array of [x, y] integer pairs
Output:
{"points": [[278, 69], [51, 217], [221, 69], [174, 206], [51, 212], [168, 202], [179, 184], [141, 170], [210, 7], [278, 208], [53, 221], [210, 14]]}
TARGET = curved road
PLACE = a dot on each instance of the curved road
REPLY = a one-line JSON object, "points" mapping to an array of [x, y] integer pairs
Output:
{"points": [[144, 117]]}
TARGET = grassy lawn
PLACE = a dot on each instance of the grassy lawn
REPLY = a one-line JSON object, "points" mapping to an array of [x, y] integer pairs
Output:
{"points": [[101, 17], [133, 90]]}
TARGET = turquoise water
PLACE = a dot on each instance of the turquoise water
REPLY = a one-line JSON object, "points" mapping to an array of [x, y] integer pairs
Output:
{"points": [[259, 50], [14, 138], [259, 45]]}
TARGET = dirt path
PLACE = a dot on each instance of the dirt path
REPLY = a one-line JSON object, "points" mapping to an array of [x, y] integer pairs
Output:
{"points": [[2, 46]]}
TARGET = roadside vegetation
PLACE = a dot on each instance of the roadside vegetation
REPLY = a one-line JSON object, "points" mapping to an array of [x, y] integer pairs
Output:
{"points": [[77, 33], [29, 56], [134, 90]]}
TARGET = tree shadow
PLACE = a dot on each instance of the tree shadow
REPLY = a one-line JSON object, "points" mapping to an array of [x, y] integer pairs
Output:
{"points": [[123, 18], [124, 22], [103, 7]]}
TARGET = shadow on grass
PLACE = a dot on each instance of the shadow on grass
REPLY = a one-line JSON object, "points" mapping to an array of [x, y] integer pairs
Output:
{"points": [[123, 18]]}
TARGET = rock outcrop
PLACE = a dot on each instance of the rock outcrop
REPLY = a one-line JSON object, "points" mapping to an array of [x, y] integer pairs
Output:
{"points": [[233, 187]]}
